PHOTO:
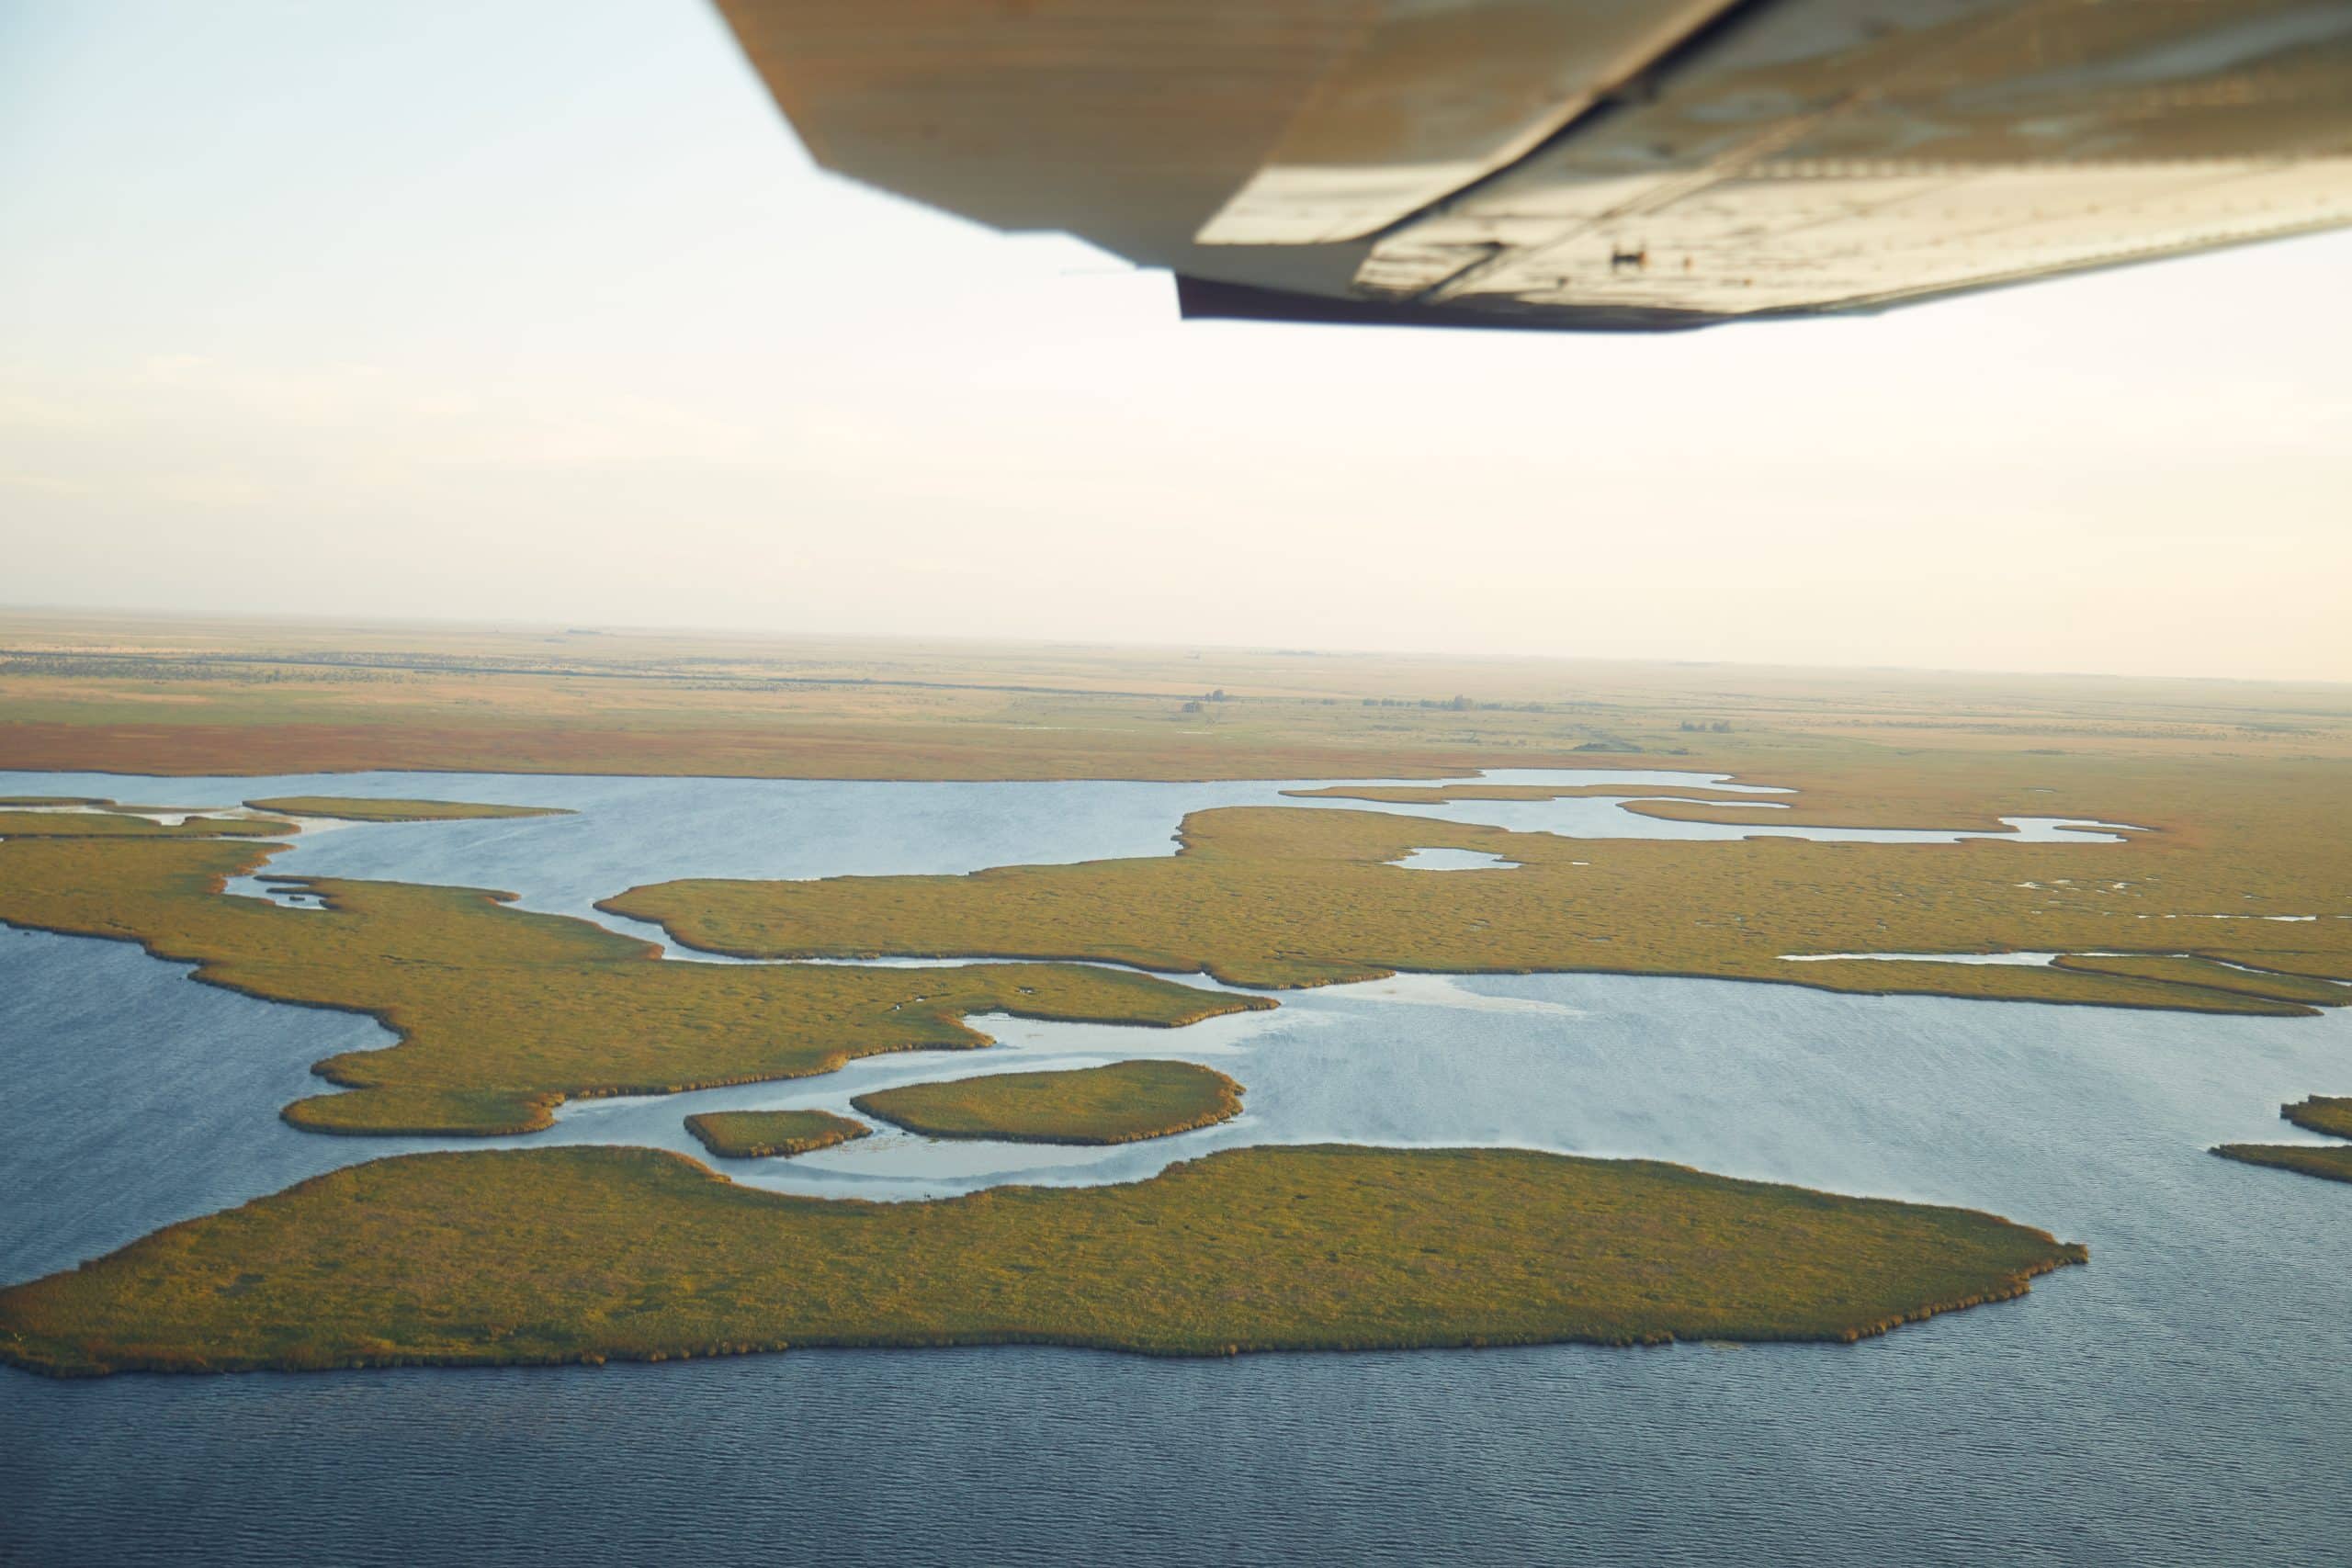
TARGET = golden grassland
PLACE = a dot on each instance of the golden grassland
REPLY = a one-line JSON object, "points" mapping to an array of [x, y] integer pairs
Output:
{"points": [[502, 1014], [354, 808], [1118, 1104], [583, 1254], [1287, 897], [2331, 1114], [772, 1135]]}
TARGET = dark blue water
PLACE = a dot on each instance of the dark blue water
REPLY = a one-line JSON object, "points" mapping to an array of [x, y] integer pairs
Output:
{"points": [[2186, 1399]]}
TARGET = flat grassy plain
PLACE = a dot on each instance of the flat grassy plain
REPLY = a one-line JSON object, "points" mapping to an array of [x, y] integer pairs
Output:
{"points": [[355, 808], [1119, 1103], [772, 1135], [585, 1254], [502, 1014], [194, 696]]}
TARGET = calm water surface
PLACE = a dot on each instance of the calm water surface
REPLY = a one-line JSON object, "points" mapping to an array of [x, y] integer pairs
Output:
{"points": [[2185, 1399]]}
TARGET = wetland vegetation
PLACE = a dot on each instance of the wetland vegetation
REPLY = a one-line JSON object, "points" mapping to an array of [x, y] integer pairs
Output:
{"points": [[502, 1014], [2234, 899], [2327, 1114], [1289, 896], [27, 823], [582, 1254], [772, 1135], [2330, 1114], [1115, 1104]]}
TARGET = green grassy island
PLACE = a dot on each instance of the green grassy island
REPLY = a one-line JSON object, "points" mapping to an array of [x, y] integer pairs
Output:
{"points": [[772, 1135], [502, 1014], [1115, 1104], [356, 809], [581, 1254], [2331, 1114]]}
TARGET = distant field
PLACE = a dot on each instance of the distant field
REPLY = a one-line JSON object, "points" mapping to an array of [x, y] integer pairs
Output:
{"points": [[83, 691]]}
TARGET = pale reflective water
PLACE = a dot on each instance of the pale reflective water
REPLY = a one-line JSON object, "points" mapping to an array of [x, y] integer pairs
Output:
{"points": [[2182, 1400]]}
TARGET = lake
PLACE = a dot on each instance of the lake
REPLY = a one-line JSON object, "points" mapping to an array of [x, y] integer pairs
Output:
{"points": [[2181, 1400]]}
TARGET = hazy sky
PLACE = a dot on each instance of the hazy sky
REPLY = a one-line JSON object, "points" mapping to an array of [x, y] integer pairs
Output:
{"points": [[536, 310]]}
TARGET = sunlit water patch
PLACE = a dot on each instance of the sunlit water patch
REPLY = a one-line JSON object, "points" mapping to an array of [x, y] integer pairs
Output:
{"points": [[1453, 859]]}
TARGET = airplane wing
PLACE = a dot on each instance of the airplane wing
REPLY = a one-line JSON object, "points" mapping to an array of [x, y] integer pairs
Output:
{"points": [[1635, 164]]}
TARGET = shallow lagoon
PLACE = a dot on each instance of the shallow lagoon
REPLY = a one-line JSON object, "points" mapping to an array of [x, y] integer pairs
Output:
{"points": [[2180, 1400]]}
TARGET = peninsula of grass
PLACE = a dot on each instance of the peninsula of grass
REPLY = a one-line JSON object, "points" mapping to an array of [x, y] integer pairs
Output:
{"points": [[581, 1253], [1116, 1104], [356, 809], [31, 824], [2327, 1161], [1280, 897], [2330, 1114], [501, 1014], [772, 1135]]}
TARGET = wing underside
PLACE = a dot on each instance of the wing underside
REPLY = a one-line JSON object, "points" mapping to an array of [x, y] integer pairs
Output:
{"points": [[1622, 163]]}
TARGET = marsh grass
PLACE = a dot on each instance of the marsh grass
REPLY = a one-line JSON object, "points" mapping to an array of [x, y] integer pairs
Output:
{"points": [[1115, 1104], [1274, 898], [2213, 976], [2330, 1114], [122, 825], [772, 1135], [2327, 1163], [581, 1254]]}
